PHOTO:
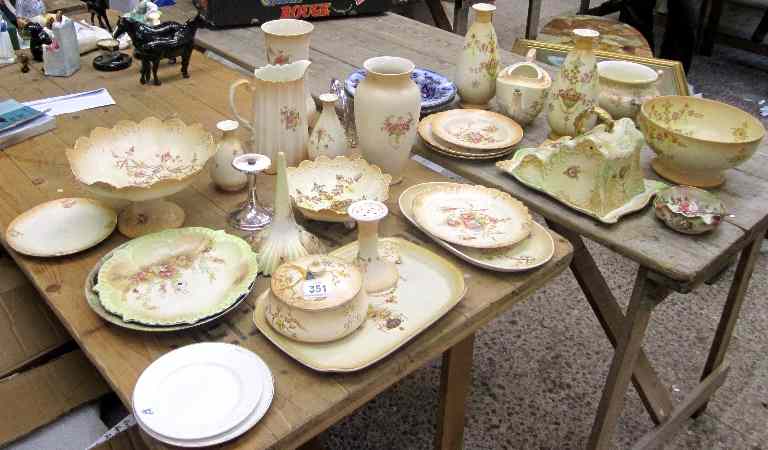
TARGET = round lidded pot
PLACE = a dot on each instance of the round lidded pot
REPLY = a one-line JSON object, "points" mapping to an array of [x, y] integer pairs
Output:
{"points": [[316, 298], [522, 88], [624, 86]]}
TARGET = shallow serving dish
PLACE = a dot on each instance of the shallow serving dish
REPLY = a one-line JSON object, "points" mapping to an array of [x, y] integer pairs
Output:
{"points": [[472, 216], [61, 227], [176, 276], [688, 209], [316, 298], [324, 188], [392, 319], [142, 162], [532, 252], [696, 140]]}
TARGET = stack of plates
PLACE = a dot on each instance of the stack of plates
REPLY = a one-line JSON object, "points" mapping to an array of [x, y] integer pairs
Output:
{"points": [[485, 227], [470, 133], [437, 91], [202, 394]]}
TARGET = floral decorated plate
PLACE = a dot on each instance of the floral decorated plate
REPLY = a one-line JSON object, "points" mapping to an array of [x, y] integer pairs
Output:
{"points": [[324, 188], [436, 90], [528, 254], [92, 297], [689, 210], [393, 319], [476, 129], [176, 276], [472, 216], [61, 227], [425, 132]]}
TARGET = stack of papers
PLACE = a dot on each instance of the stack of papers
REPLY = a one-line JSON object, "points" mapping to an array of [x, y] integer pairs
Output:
{"points": [[19, 122]]}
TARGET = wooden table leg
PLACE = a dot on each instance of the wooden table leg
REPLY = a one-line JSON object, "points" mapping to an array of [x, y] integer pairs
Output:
{"points": [[455, 380], [652, 392], [731, 310], [438, 14], [645, 296], [532, 21]]}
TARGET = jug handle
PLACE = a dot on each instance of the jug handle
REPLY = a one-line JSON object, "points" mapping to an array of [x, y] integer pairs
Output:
{"points": [[530, 56], [602, 117], [232, 88]]}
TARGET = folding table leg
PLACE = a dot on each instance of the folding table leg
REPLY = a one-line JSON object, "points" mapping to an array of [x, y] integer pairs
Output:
{"points": [[644, 298], [731, 310], [652, 392], [455, 380]]}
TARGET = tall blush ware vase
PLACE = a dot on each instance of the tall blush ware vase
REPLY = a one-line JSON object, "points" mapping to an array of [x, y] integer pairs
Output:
{"points": [[387, 109], [574, 92], [479, 60]]}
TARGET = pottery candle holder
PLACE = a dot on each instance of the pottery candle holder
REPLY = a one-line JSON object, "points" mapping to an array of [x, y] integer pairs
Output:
{"points": [[380, 275], [251, 216]]}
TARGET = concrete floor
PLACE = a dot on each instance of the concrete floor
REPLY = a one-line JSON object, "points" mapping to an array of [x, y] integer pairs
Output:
{"points": [[540, 367]]}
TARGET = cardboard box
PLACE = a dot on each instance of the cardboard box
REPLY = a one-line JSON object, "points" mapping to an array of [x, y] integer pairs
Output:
{"points": [[224, 13], [36, 388]]}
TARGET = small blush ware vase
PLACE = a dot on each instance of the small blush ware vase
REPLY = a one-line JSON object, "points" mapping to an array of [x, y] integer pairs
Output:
{"points": [[387, 109], [223, 174], [479, 60], [328, 137], [574, 92]]}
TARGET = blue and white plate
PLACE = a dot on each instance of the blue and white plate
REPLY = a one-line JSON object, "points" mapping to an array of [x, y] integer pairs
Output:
{"points": [[436, 90]]}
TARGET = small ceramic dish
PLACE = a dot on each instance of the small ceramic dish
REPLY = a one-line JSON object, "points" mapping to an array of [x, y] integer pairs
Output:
{"points": [[431, 141], [689, 210], [176, 276], [472, 216], [528, 254], [476, 129], [316, 298], [324, 188], [61, 227], [436, 90]]}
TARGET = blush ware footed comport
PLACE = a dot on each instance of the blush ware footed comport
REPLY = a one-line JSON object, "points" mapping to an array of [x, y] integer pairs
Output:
{"points": [[479, 60], [328, 137], [387, 109], [575, 89], [223, 174], [287, 41], [279, 114], [250, 216], [381, 275]]}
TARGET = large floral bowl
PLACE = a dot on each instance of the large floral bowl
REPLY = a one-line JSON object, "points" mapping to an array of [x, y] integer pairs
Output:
{"points": [[695, 140], [142, 162], [436, 90], [324, 188], [689, 210]]}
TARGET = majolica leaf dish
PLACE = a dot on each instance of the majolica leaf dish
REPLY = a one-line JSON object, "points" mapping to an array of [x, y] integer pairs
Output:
{"points": [[696, 140], [689, 210], [176, 276], [324, 188], [61, 227], [472, 216], [142, 162], [436, 90], [597, 173]]}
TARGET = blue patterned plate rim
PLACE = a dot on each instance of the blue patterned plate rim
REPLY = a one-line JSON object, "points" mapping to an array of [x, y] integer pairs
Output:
{"points": [[439, 92]]}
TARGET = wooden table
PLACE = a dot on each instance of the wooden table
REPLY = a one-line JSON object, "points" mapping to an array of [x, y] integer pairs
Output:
{"points": [[668, 261], [307, 402]]}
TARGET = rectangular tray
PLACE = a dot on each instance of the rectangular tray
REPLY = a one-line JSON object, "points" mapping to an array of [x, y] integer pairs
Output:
{"points": [[429, 287]]}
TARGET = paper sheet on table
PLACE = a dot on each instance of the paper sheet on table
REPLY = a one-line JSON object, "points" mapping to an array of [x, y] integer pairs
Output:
{"points": [[73, 102]]}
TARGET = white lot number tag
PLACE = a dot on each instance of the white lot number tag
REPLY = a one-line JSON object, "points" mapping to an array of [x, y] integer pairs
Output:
{"points": [[315, 289]]}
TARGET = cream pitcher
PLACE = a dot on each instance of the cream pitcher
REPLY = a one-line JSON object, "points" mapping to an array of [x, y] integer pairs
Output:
{"points": [[279, 121]]}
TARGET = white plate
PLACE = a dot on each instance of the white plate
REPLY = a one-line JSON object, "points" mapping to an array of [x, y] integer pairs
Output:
{"points": [[268, 393], [61, 227], [198, 391], [532, 252]]}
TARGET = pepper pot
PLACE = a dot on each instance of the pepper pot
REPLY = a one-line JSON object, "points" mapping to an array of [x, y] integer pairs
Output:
{"points": [[380, 275]]}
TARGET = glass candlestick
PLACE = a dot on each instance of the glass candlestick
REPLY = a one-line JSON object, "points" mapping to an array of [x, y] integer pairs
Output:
{"points": [[380, 275], [251, 216]]}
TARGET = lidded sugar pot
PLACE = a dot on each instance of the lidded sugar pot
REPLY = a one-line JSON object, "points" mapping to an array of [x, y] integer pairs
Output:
{"points": [[316, 298]]}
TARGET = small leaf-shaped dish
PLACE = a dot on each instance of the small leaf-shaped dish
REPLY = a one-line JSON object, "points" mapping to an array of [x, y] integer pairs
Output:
{"points": [[689, 210]]}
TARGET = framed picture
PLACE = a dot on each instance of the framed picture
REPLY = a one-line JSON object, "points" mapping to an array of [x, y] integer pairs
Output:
{"points": [[672, 79]]}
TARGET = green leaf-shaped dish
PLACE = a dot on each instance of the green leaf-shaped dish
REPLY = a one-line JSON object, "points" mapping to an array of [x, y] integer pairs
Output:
{"points": [[176, 276]]}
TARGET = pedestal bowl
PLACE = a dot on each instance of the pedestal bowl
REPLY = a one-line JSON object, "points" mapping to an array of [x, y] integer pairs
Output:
{"points": [[143, 163], [696, 140]]}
